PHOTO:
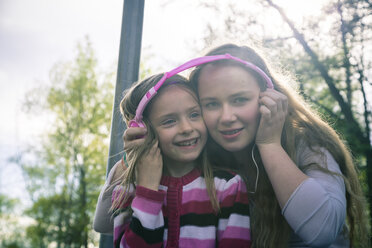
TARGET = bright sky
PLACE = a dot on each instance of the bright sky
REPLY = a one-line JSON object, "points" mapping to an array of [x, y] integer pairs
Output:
{"points": [[34, 35]]}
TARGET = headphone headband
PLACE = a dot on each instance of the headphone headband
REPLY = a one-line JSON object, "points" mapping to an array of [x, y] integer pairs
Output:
{"points": [[137, 121]]}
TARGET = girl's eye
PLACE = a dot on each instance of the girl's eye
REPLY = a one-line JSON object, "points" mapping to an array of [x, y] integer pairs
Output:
{"points": [[195, 115], [240, 100], [168, 122], [211, 105]]}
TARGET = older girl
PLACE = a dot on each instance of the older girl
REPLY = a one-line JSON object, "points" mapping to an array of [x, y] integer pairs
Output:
{"points": [[308, 192]]}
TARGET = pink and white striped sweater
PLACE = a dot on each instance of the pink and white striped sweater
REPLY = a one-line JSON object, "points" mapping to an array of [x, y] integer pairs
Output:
{"points": [[180, 214]]}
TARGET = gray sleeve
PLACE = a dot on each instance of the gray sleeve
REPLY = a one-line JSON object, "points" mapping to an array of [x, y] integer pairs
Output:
{"points": [[316, 210], [103, 223]]}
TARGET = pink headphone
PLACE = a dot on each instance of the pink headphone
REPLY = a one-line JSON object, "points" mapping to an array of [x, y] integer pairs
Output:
{"points": [[137, 121]]}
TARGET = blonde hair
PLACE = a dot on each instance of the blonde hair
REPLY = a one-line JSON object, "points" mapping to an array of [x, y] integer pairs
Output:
{"points": [[128, 107], [302, 125]]}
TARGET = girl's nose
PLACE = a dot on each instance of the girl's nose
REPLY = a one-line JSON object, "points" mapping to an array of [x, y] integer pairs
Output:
{"points": [[227, 114], [185, 127]]}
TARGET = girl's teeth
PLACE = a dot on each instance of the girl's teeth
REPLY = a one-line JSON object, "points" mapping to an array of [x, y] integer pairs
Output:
{"points": [[188, 143], [231, 132]]}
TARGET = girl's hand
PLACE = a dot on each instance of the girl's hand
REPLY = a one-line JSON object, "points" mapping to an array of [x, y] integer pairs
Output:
{"points": [[134, 137], [273, 109], [149, 169]]}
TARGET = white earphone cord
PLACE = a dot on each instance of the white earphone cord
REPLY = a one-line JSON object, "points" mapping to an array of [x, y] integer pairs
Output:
{"points": [[258, 171]]}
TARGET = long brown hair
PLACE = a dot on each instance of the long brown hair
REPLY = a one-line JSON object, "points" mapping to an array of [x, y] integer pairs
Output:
{"points": [[128, 107], [269, 228]]}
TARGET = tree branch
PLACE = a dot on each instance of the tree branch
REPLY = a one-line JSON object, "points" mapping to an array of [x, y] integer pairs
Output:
{"points": [[346, 61], [278, 39], [317, 103], [345, 108], [361, 79]]}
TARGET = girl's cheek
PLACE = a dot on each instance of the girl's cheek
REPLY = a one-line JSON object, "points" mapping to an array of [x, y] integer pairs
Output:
{"points": [[253, 114], [249, 115], [208, 119]]}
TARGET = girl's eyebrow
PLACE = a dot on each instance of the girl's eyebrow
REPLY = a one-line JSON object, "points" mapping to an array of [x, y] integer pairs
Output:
{"points": [[240, 93], [207, 99], [172, 114], [194, 107], [165, 116]]}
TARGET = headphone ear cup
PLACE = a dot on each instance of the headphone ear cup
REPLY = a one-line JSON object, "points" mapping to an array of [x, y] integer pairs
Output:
{"points": [[134, 123]]}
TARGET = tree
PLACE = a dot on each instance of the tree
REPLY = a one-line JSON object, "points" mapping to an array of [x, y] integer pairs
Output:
{"points": [[64, 173], [11, 233], [6, 204]]}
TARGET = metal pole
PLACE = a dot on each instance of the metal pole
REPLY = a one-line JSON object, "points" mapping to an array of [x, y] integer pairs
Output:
{"points": [[128, 71]]}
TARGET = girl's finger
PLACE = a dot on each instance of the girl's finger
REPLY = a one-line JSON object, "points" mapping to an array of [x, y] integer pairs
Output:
{"points": [[269, 103], [154, 148], [278, 97], [133, 133], [265, 112], [275, 95], [133, 143], [272, 93]]}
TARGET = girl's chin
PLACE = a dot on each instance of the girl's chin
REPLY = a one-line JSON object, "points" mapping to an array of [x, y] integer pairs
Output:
{"points": [[235, 148], [238, 147]]}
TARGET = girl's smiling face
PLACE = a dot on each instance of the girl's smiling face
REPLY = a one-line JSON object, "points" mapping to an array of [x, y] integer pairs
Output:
{"points": [[175, 115], [229, 99]]}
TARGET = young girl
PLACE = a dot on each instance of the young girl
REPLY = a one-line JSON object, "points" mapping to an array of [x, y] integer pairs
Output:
{"points": [[301, 200], [308, 193], [168, 196]]}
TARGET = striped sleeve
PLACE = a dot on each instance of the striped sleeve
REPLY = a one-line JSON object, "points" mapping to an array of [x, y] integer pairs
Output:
{"points": [[145, 226], [234, 220]]}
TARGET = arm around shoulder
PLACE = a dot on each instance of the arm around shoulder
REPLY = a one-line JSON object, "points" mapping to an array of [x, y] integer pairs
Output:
{"points": [[140, 222], [103, 222]]}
